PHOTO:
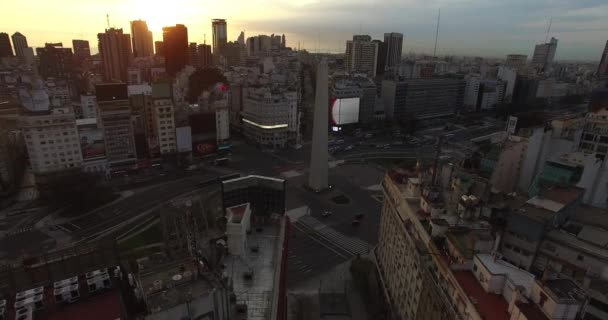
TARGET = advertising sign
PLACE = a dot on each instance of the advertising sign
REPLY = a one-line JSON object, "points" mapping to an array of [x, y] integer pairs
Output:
{"points": [[345, 111], [92, 143]]}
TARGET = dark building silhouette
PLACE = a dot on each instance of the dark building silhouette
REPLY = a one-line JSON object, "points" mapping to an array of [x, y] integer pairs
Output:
{"points": [[175, 40], [19, 43], [6, 50], [115, 51], [55, 61], [193, 57], [159, 48], [381, 63], [82, 51], [142, 39], [220, 35], [204, 55], [232, 53], [602, 69]]}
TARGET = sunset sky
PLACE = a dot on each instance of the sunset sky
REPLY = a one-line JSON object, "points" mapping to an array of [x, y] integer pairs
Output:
{"points": [[471, 27]]}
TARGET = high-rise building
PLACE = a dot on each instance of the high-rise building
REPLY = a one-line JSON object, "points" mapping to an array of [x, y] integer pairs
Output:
{"points": [[142, 39], [114, 117], [283, 42], [220, 35], [159, 48], [318, 173], [6, 50], [381, 63], [164, 117], [516, 60], [55, 61], [82, 51], [241, 38], [602, 69], [193, 56], [259, 45], [232, 53], [394, 44], [422, 98], [204, 55], [19, 43], [544, 54], [361, 55], [175, 40], [115, 51]]}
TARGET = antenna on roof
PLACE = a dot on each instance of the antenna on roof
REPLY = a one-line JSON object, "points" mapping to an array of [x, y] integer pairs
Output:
{"points": [[437, 34], [108, 20], [548, 29]]}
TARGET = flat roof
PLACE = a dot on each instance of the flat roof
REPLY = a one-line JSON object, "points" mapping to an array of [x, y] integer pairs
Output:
{"points": [[531, 311], [489, 305], [564, 289], [592, 216], [544, 203], [518, 276]]}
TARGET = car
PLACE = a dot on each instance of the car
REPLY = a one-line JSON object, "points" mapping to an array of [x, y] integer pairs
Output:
{"points": [[326, 213]]}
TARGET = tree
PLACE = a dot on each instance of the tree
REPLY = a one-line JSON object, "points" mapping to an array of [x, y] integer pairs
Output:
{"points": [[201, 80]]}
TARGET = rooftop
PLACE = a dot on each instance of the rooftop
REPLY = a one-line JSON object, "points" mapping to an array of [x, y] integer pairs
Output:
{"points": [[237, 212], [464, 239], [564, 290], [531, 311], [518, 276], [563, 195], [489, 305]]}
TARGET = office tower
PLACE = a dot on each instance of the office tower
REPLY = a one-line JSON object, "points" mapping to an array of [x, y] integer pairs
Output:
{"points": [[114, 117], [6, 50], [175, 41], [55, 61], [318, 173], [544, 54], [142, 39], [159, 48], [193, 56], [19, 43], [204, 55], [283, 42], [259, 45], [115, 52], [394, 44], [241, 38], [361, 55], [220, 35], [602, 69], [381, 63], [422, 98], [164, 117], [232, 53], [82, 51], [516, 60]]}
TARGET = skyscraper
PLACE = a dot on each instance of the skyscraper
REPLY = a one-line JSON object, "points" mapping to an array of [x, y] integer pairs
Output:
{"points": [[82, 51], [516, 60], [193, 56], [318, 173], [602, 69], [381, 62], [220, 35], [6, 50], [394, 44], [19, 43], [142, 39], [241, 38], [544, 54], [204, 55], [159, 48], [175, 40], [361, 55], [55, 61], [283, 42], [115, 51]]}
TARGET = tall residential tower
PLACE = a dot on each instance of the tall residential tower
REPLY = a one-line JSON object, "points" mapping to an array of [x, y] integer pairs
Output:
{"points": [[175, 41], [19, 43], [6, 50], [394, 44], [362, 55], [142, 39], [115, 52]]}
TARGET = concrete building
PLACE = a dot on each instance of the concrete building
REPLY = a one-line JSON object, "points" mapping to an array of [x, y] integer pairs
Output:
{"points": [[55, 61], [220, 35], [362, 55], [82, 51], [270, 118], [359, 87], [602, 68], [163, 113], [142, 39], [509, 76], [115, 52], [175, 42], [52, 140], [19, 44], [422, 98], [92, 147], [393, 43], [204, 55], [193, 57], [318, 174], [114, 117], [88, 106], [483, 94], [234, 54], [159, 48], [381, 63], [260, 45], [6, 49], [516, 61], [12, 149], [544, 54], [595, 133]]}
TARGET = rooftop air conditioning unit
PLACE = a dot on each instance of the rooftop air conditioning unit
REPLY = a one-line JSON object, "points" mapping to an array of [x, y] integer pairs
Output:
{"points": [[67, 294]]}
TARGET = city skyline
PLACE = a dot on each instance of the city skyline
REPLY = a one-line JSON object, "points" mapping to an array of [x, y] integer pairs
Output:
{"points": [[471, 28]]}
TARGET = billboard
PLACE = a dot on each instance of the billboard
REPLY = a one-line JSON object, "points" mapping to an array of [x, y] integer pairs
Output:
{"points": [[184, 139], [344, 111], [204, 147], [91, 143]]}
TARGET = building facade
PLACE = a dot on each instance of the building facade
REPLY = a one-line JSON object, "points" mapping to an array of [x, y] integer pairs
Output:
{"points": [[163, 113], [516, 61], [393, 43], [82, 51], [6, 49], [19, 44], [602, 68], [544, 54], [361, 55], [55, 61], [159, 48], [270, 118], [115, 52], [142, 39], [175, 42], [220, 35]]}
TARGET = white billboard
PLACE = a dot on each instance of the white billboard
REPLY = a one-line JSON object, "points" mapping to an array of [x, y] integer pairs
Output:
{"points": [[344, 111], [184, 139]]}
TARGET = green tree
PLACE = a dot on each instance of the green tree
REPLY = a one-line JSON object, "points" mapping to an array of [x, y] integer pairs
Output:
{"points": [[201, 80]]}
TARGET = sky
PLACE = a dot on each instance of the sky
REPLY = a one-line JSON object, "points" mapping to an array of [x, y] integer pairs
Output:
{"points": [[489, 28]]}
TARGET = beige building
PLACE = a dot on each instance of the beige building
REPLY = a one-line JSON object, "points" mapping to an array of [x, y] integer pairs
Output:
{"points": [[163, 115], [52, 140]]}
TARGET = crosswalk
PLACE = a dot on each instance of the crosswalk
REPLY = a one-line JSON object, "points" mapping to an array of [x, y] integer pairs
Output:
{"points": [[352, 245]]}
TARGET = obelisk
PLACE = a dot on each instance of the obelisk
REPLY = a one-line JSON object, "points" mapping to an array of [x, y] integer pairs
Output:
{"points": [[317, 178]]}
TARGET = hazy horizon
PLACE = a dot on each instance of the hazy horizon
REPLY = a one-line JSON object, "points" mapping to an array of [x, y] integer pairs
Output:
{"points": [[468, 27]]}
